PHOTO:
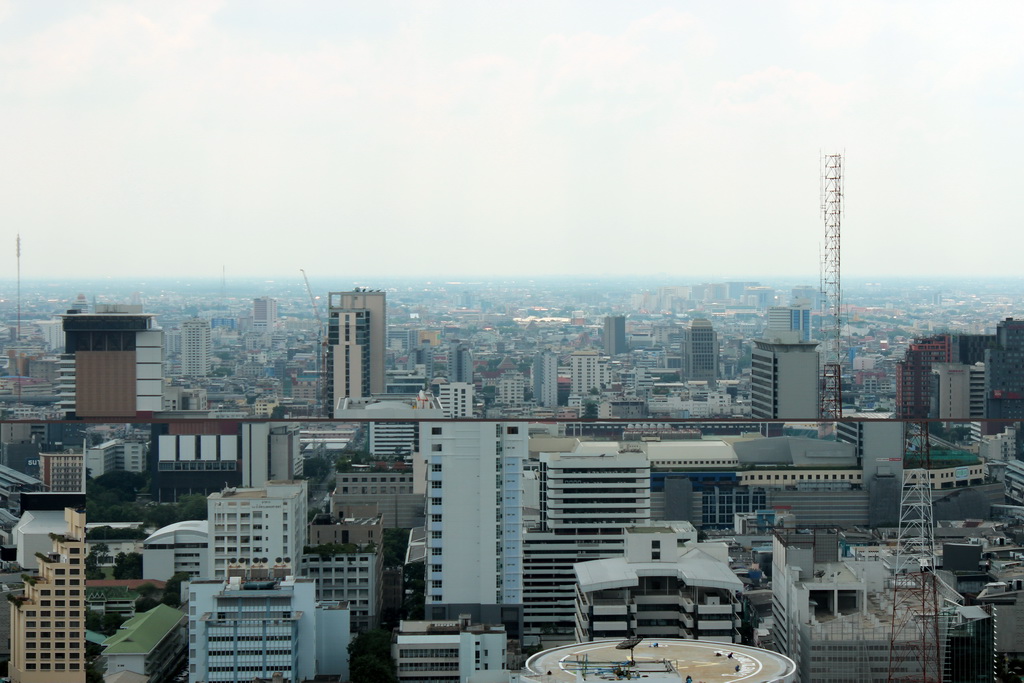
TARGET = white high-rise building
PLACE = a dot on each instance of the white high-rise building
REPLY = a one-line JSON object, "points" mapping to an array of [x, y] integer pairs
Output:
{"points": [[784, 381], [474, 529], [511, 389], [456, 399], [264, 314], [263, 526], [196, 348], [586, 372], [587, 500], [545, 379]]}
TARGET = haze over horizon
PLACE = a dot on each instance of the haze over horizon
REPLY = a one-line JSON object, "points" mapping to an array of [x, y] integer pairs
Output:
{"points": [[169, 140]]}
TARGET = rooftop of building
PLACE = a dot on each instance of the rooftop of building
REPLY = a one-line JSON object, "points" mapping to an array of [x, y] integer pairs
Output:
{"points": [[704, 660], [143, 632], [411, 628], [694, 566]]}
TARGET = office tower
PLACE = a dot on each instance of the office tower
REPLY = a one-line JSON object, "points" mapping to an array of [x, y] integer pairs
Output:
{"points": [[115, 455], [62, 472], [356, 338], [474, 473], [398, 495], [264, 314], [914, 375], [789, 319], [346, 559], [587, 500], [257, 626], [545, 379], [196, 348], [585, 371], [52, 332], [784, 381], [112, 366], [258, 526], [805, 295], [460, 364], [700, 352], [223, 454], [615, 335], [456, 399], [54, 653], [957, 391], [511, 390], [1004, 377]]}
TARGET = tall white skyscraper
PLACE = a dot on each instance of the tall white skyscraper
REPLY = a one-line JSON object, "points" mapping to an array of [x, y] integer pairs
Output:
{"points": [[474, 473], [545, 379], [196, 348]]}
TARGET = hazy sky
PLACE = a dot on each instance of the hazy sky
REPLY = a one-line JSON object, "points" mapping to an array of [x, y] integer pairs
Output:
{"points": [[517, 138]]}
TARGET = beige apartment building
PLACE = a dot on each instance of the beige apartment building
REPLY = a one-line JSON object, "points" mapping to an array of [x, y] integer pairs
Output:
{"points": [[48, 620]]}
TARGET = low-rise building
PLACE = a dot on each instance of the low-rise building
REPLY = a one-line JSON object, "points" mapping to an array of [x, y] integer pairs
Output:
{"points": [[432, 651], [659, 588], [243, 628], [152, 644], [179, 547]]}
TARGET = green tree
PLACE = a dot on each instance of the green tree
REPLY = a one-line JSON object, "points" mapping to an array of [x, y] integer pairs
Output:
{"points": [[128, 566], [172, 590], [93, 559], [145, 604], [192, 506], [396, 542], [590, 410]]}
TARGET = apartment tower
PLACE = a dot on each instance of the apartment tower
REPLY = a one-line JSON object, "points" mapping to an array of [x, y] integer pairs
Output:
{"points": [[356, 338]]}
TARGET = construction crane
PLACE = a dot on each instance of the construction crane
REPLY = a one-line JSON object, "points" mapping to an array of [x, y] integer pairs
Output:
{"points": [[830, 396], [321, 338], [312, 300]]}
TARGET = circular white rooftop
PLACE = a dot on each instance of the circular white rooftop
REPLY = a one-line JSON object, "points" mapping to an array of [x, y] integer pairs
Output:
{"points": [[705, 661]]}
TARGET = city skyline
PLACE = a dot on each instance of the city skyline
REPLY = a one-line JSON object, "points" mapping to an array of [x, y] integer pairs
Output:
{"points": [[265, 137]]}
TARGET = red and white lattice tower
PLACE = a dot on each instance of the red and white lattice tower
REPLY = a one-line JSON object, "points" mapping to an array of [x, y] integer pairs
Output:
{"points": [[830, 397], [915, 643]]}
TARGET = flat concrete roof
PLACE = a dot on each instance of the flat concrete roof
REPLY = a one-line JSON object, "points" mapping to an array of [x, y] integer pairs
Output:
{"points": [[696, 658]]}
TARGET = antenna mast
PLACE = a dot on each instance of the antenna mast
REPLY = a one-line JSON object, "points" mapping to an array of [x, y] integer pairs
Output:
{"points": [[18, 252], [915, 642], [830, 398]]}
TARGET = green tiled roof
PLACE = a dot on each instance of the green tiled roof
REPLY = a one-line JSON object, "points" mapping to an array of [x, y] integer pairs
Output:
{"points": [[143, 632]]}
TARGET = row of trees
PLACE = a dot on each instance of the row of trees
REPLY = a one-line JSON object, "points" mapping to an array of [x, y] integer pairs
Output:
{"points": [[114, 497]]}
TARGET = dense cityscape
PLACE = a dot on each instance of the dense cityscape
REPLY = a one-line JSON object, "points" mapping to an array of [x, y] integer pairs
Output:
{"points": [[440, 341], [652, 458]]}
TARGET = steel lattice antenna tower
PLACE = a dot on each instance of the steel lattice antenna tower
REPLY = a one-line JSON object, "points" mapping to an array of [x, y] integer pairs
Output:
{"points": [[915, 643], [830, 398]]}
